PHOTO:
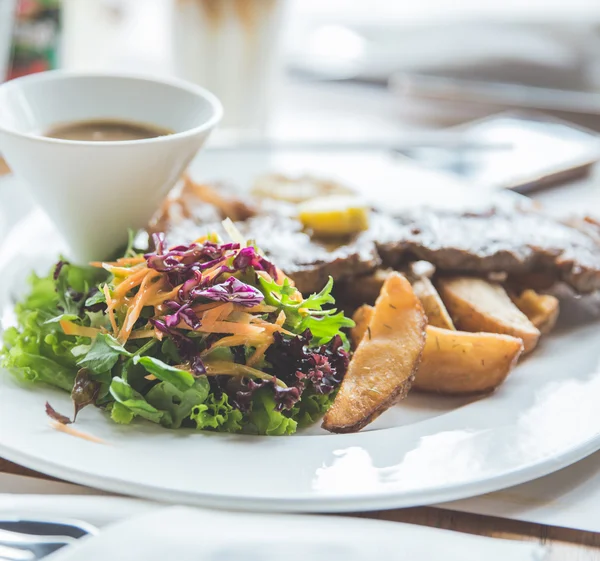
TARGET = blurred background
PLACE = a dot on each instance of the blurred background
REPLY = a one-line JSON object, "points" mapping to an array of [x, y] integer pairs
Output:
{"points": [[347, 72]]}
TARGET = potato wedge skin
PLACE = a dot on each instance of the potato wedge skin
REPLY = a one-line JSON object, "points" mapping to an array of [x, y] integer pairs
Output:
{"points": [[461, 363], [436, 311], [477, 305], [362, 318], [541, 309], [385, 362]]}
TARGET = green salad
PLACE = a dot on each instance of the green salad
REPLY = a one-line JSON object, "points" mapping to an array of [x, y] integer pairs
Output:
{"points": [[209, 335]]}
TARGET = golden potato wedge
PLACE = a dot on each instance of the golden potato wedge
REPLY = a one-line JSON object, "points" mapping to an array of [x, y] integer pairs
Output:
{"points": [[541, 309], [459, 363], [477, 305], [362, 318], [385, 362], [436, 312]]}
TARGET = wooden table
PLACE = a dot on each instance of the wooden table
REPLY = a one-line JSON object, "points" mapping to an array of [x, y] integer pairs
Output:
{"points": [[564, 544]]}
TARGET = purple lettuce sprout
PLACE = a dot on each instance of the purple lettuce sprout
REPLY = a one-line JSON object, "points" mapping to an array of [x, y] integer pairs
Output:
{"points": [[296, 363], [58, 269], [232, 290]]}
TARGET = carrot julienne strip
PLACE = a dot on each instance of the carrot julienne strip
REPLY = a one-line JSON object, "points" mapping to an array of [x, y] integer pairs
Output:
{"points": [[134, 311], [258, 353], [110, 310], [69, 328], [233, 369], [131, 282]]}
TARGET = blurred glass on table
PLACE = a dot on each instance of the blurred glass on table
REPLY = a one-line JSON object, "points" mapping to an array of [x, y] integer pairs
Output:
{"points": [[230, 47]]}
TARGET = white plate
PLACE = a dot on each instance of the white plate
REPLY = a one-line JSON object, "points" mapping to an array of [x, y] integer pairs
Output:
{"points": [[426, 450]]}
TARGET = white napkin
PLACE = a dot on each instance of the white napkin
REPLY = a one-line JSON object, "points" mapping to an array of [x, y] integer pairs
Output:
{"points": [[188, 534]]}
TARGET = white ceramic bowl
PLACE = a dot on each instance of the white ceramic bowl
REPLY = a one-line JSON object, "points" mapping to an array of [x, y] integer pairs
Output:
{"points": [[95, 191]]}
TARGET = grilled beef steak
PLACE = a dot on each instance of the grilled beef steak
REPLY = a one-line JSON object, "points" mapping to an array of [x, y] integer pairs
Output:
{"points": [[514, 241], [507, 237]]}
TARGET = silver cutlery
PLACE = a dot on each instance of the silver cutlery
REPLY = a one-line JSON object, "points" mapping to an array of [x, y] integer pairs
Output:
{"points": [[29, 540]]}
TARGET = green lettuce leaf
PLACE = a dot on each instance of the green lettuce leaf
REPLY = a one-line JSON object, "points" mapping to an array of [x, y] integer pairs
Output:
{"points": [[179, 404], [218, 414], [135, 402], [121, 414], [103, 354], [264, 419], [311, 407], [324, 324], [180, 379]]}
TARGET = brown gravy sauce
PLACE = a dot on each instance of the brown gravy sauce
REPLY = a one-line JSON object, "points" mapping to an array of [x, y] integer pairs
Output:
{"points": [[105, 130]]}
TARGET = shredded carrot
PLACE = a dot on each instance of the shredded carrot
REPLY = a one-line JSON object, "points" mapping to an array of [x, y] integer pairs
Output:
{"points": [[163, 296], [216, 313], [150, 377], [208, 272], [281, 276], [69, 328], [131, 260], [258, 353], [259, 309], [226, 327], [236, 340], [214, 368], [110, 310], [242, 317], [131, 282], [74, 432], [122, 271], [203, 307], [134, 311], [143, 334], [280, 318], [265, 275]]}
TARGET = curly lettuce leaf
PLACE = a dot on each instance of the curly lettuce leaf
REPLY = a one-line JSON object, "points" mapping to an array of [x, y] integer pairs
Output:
{"points": [[264, 419], [217, 414], [311, 407], [308, 313]]}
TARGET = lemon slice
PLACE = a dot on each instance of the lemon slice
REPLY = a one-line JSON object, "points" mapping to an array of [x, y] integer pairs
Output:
{"points": [[334, 216]]}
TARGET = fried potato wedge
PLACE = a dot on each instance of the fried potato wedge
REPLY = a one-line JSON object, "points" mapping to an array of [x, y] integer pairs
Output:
{"points": [[385, 361], [436, 311], [477, 305], [459, 363], [362, 318], [541, 309], [456, 362]]}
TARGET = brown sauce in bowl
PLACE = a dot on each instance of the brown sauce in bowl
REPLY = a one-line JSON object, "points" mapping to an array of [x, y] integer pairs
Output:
{"points": [[105, 130]]}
